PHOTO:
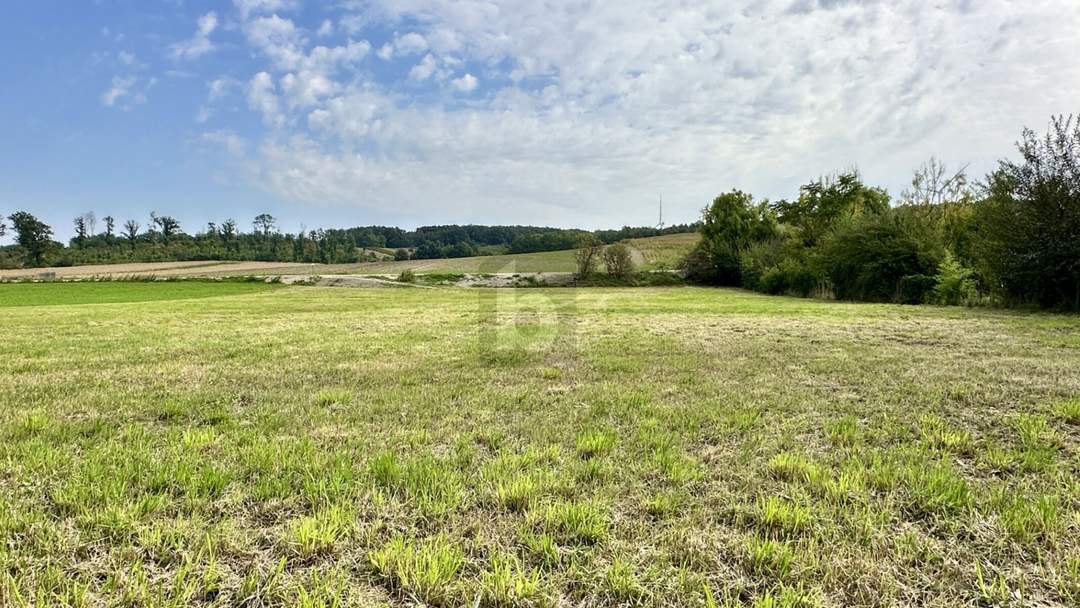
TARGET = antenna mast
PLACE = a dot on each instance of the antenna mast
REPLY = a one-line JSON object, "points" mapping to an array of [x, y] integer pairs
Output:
{"points": [[661, 224]]}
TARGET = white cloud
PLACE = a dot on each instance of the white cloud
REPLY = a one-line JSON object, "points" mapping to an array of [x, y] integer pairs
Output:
{"points": [[465, 84], [687, 98], [326, 29], [410, 44], [121, 87], [199, 44], [233, 144], [127, 92], [263, 98], [424, 69], [255, 7]]}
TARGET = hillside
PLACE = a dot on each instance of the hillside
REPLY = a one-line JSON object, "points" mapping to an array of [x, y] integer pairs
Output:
{"points": [[653, 253]]}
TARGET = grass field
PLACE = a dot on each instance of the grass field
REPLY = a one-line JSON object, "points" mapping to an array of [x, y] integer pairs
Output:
{"points": [[655, 253], [299, 446], [665, 252]]}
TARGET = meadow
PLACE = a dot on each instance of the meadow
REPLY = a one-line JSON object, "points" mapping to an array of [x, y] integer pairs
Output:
{"points": [[263, 445], [652, 253]]}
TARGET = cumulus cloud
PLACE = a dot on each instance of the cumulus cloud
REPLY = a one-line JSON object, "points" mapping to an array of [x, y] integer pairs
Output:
{"points": [[424, 69], [685, 98], [410, 44], [465, 84], [199, 44], [254, 7]]}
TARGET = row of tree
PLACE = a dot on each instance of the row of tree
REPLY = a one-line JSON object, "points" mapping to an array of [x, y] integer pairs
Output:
{"points": [[163, 239], [1012, 239]]}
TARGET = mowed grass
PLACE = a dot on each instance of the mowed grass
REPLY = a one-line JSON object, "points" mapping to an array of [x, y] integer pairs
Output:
{"points": [[626, 447], [52, 294]]}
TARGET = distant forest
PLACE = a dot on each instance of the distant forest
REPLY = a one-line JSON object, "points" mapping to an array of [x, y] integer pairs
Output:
{"points": [[162, 239]]}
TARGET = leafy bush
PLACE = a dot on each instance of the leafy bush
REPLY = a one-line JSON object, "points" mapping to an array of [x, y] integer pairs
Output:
{"points": [[1029, 225], [879, 257], [587, 256], [619, 262], [779, 266], [407, 276], [954, 282], [729, 226]]}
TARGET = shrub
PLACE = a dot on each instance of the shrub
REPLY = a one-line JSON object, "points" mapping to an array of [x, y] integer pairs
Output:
{"points": [[618, 261], [1030, 222], [778, 266], [407, 276], [954, 282], [587, 256], [401, 255], [730, 225], [880, 257]]}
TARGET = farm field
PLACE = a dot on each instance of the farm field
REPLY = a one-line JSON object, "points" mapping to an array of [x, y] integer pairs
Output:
{"points": [[662, 252], [263, 445]]}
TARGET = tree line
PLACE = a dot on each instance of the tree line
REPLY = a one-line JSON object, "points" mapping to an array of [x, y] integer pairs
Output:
{"points": [[1012, 238], [162, 239]]}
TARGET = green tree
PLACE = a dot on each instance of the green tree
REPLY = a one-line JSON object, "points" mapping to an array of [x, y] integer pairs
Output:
{"points": [[619, 261], [80, 230], [824, 204], [110, 228], [131, 232], [587, 256], [729, 226], [33, 235], [1029, 223], [265, 224]]}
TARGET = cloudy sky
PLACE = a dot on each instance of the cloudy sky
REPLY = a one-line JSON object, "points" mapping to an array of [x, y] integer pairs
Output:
{"points": [[563, 112]]}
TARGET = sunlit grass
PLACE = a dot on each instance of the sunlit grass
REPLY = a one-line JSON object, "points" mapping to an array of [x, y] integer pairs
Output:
{"points": [[286, 446]]}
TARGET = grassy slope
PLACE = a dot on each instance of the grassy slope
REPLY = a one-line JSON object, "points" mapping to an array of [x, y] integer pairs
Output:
{"points": [[579, 446], [665, 252]]}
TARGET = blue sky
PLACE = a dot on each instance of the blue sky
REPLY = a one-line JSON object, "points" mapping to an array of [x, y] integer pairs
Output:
{"points": [[565, 113]]}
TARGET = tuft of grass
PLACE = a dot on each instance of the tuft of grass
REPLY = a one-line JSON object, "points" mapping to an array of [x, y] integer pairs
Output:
{"points": [[664, 504], [786, 597], [776, 514], [542, 547], [621, 581], [940, 435], [1030, 519], [333, 397], [592, 443], [427, 569], [434, 485], [518, 493], [1069, 411], [319, 534], [577, 522], [844, 432], [769, 558], [507, 583]]}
